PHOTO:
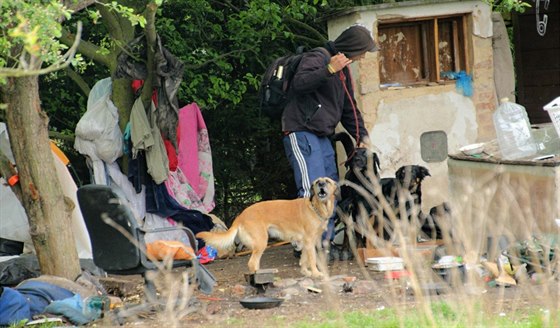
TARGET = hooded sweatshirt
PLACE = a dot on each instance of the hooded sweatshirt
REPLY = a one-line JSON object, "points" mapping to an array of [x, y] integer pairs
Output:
{"points": [[318, 98]]}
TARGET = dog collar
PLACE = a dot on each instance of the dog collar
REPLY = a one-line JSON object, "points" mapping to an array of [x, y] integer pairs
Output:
{"points": [[317, 212]]}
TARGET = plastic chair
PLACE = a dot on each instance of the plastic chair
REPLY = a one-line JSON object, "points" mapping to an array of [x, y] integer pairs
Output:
{"points": [[117, 240]]}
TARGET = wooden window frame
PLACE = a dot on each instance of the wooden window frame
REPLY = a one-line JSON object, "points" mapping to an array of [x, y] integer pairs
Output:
{"points": [[429, 29]]}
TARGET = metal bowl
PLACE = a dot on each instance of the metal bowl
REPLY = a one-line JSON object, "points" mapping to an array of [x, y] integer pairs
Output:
{"points": [[260, 302]]}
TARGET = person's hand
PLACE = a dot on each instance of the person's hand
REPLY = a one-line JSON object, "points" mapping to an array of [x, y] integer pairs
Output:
{"points": [[338, 62], [365, 143]]}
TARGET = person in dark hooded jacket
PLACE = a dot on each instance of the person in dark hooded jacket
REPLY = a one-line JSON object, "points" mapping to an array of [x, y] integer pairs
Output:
{"points": [[322, 97]]}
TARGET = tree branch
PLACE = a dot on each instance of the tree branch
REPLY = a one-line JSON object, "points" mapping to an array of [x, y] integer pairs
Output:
{"points": [[151, 40], [61, 136], [61, 63], [110, 20], [316, 35], [82, 84], [76, 5], [86, 48], [198, 66]]}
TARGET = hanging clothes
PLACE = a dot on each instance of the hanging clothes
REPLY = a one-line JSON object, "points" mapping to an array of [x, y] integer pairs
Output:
{"points": [[193, 182], [169, 74], [145, 135]]}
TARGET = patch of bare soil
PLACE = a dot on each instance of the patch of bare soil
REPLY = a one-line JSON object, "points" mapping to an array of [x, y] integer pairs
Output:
{"points": [[369, 291]]}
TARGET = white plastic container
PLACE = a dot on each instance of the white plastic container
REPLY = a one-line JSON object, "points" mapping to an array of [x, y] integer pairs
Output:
{"points": [[553, 109], [385, 263], [513, 130]]}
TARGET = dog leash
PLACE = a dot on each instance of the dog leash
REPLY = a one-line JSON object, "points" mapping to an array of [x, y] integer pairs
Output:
{"points": [[342, 77]]}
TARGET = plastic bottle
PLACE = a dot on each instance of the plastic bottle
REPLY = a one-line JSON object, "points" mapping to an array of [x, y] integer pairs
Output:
{"points": [[94, 306], [513, 130]]}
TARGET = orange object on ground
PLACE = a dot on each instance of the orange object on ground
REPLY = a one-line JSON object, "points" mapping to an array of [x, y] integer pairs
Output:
{"points": [[163, 249], [397, 274]]}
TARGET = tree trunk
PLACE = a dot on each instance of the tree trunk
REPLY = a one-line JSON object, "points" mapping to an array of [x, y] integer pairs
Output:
{"points": [[48, 210]]}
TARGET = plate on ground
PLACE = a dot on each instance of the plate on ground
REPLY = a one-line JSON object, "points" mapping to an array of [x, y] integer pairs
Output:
{"points": [[260, 302]]}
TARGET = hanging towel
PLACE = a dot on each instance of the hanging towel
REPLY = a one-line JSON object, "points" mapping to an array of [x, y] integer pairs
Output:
{"points": [[194, 154]]}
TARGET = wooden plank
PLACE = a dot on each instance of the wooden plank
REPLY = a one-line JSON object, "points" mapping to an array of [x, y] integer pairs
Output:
{"points": [[465, 45], [456, 56], [425, 56], [436, 50]]}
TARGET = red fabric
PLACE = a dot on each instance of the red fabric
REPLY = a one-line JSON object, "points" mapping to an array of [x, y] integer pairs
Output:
{"points": [[171, 155], [137, 84]]}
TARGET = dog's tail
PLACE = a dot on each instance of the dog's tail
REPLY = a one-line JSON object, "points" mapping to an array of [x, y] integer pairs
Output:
{"points": [[221, 240]]}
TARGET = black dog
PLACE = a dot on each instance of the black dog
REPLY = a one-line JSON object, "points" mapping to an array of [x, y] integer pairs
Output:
{"points": [[362, 165], [437, 224], [405, 188], [362, 189]]}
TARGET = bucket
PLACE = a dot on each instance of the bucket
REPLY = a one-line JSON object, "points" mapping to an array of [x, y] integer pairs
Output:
{"points": [[553, 109]]}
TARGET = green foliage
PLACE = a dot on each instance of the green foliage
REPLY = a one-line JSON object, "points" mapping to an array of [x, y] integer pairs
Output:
{"points": [[507, 6], [33, 25], [124, 11]]}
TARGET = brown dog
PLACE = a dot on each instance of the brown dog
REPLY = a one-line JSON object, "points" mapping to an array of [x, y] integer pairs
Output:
{"points": [[300, 221]]}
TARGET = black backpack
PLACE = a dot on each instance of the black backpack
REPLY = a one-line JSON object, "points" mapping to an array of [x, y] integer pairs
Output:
{"points": [[275, 84]]}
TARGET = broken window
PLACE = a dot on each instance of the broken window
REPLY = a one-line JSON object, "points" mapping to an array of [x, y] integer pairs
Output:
{"points": [[423, 51]]}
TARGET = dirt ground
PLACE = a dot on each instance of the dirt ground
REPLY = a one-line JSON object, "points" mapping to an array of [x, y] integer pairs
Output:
{"points": [[370, 291]]}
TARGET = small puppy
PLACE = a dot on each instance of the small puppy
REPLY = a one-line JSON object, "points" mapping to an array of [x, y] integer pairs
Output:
{"points": [[300, 221]]}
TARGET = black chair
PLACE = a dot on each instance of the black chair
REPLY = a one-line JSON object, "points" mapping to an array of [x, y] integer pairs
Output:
{"points": [[118, 242]]}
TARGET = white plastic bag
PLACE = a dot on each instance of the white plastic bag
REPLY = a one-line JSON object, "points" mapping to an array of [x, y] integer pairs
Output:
{"points": [[97, 133]]}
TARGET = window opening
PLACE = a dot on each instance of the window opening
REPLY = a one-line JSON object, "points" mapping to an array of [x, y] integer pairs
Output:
{"points": [[411, 56]]}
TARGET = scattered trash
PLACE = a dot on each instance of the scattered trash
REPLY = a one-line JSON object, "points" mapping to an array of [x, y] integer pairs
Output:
{"points": [[45, 322], [434, 288], [397, 274], [314, 289], [385, 263], [347, 287], [206, 254]]}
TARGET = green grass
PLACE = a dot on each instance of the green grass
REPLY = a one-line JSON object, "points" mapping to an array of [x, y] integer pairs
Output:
{"points": [[443, 316], [23, 323]]}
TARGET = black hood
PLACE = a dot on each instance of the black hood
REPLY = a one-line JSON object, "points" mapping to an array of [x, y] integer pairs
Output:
{"points": [[354, 41]]}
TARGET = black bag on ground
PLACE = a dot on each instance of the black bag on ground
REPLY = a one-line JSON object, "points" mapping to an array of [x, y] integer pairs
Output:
{"points": [[275, 84]]}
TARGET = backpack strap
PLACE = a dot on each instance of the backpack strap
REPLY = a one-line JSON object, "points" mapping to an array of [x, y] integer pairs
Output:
{"points": [[300, 50], [325, 52]]}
